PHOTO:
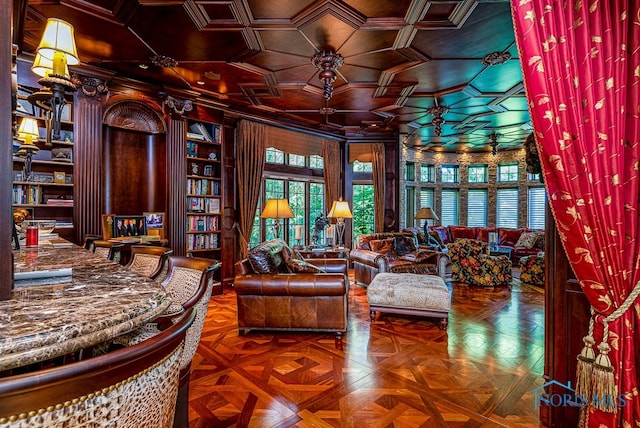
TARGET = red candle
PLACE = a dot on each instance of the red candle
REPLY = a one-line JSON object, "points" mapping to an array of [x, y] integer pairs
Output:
{"points": [[32, 236]]}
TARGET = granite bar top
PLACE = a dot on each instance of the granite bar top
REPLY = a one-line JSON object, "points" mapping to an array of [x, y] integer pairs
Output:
{"points": [[100, 301]]}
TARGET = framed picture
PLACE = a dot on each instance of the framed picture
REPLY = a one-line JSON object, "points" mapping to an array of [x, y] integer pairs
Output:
{"points": [[59, 177], [24, 106], [208, 171], [67, 113], [132, 225], [155, 223], [107, 226], [192, 149]]}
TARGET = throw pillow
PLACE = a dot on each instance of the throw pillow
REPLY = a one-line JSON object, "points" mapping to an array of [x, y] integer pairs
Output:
{"points": [[385, 247], [436, 236], [527, 240], [300, 266], [261, 261], [404, 245], [540, 241], [423, 256]]}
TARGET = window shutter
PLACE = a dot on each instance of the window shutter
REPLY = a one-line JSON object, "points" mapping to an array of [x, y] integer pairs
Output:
{"points": [[477, 208], [449, 207], [537, 207], [507, 208]]}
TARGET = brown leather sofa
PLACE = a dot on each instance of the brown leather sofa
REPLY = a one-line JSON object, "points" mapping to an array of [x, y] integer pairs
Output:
{"points": [[281, 300], [373, 255]]}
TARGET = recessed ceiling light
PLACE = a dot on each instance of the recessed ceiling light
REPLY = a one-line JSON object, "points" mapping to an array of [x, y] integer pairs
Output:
{"points": [[200, 82], [143, 66]]}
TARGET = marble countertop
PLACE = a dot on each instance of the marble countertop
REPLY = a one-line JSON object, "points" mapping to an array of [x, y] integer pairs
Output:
{"points": [[101, 300]]}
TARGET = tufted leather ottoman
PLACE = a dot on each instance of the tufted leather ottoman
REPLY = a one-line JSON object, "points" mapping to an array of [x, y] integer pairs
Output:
{"points": [[410, 294]]}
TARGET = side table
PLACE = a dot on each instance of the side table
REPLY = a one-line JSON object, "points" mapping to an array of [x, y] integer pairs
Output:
{"points": [[500, 251], [324, 253]]}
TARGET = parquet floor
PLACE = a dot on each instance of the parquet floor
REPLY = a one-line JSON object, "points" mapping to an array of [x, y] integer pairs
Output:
{"points": [[399, 371]]}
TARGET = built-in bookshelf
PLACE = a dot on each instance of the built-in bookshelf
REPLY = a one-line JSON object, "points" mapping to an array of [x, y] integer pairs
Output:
{"points": [[204, 190], [47, 193]]}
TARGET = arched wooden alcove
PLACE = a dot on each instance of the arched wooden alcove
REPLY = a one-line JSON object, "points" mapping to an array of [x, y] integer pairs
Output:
{"points": [[134, 159]]}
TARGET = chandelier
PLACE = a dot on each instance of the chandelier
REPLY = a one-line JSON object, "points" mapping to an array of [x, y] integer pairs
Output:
{"points": [[438, 120], [327, 62]]}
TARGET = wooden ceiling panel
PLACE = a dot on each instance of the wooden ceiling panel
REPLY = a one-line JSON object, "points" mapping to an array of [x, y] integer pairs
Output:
{"points": [[401, 57], [277, 9], [380, 8]]}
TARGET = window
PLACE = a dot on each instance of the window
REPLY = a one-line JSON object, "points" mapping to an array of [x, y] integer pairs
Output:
{"points": [[411, 205], [297, 197], [363, 215], [316, 207], [410, 172], [477, 208], [296, 160], [316, 162], [426, 198], [449, 216], [427, 173], [449, 173], [537, 199], [478, 174], [306, 200], [533, 177], [274, 156], [508, 172], [362, 166], [507, 208]]}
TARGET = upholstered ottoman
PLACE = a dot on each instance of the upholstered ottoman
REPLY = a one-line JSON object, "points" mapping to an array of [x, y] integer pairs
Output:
{"points": [[410, 294]]}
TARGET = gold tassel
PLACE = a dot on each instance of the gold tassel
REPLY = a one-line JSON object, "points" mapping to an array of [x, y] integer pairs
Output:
{"points": [[584, 369], [605, 392]]}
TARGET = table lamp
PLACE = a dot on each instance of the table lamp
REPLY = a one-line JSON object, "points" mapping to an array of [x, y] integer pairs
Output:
{"points": [[426, 214], [27, 132], [277, 209], [340, 210]]}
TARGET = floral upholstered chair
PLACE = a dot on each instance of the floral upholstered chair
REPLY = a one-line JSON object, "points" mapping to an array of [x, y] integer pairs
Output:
{"points": [[472, 264], [532, 269]]}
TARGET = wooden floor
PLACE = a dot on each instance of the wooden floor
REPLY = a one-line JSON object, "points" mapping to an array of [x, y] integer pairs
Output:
{"points": [[399, 371]]}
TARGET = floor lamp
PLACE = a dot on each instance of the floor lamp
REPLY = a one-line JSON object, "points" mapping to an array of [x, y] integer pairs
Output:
{"points": [[340, 210], [277, 209], [426, 214]]}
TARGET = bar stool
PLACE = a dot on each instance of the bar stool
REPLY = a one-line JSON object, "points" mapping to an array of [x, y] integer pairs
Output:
{"points": [[109, 250], [148, 260]]}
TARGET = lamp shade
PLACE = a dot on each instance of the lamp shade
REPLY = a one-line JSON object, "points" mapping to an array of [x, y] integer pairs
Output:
{"points": [[28, 130], [58, 37], [277, 208], [340, 209], [426, 213], [43, 66]]}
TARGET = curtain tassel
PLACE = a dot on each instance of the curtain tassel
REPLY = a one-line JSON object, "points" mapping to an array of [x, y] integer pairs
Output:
{"points": [[584, 369], [586, 358], [604, 384]]}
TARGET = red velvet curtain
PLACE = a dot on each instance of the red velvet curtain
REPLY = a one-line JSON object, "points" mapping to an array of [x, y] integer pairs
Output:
{"points": [[581, 68]]}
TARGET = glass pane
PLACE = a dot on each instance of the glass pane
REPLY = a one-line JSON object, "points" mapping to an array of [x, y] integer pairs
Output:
{"points": [[449, 173], [410, 173], [411, 202], [363, 215], [507, 208], [274, 189], [508, 172], [449, 207], [428, 173], [316, 162], [537, 207], [297, 205], [316, 209], [426, 200], [477, 208], [361, 166], [478, 174], [296, 160], [274, 155]]}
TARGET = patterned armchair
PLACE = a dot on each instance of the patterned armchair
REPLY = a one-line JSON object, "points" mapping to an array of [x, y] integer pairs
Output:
{"points": [[472, 264], [532, 269]]}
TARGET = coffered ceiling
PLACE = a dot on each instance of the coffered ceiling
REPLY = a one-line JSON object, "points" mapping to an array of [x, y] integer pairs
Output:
{"points": [[402, 58]]}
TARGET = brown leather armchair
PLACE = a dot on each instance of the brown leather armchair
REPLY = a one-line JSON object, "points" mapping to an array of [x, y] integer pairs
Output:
{"points": [[292, 301]]}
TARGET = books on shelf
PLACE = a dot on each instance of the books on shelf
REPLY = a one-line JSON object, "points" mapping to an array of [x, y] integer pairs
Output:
{"points": [[202, 223], [203, 205], [203, 186], [60, 202], [202, 241], [200, 131]]}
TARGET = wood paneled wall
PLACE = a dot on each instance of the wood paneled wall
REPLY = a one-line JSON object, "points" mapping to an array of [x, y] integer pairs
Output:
{"points": [[176, 185]]}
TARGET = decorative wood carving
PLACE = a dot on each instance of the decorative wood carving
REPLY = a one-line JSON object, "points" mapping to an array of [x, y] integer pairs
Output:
{"points": [[134, 116]]}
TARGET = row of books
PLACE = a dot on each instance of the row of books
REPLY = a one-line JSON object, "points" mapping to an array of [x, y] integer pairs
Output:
{"points": [[202, 241], [203, 205], [202, 132], [27, 194], [202, 222], [203, 186]]}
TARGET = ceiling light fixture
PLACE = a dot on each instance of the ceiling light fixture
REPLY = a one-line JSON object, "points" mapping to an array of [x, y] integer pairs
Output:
{"points": [[438, 120], [493, 143], [327, 63], [496, 58]]}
